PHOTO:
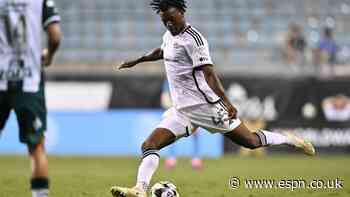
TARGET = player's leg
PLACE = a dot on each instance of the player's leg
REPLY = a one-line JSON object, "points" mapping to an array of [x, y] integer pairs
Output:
{"points": [[211, 117], [166, 133], [31, 114], [214, 119], [160, 138], [39, 166], [253, 125], [244, 137], [5, 109]]}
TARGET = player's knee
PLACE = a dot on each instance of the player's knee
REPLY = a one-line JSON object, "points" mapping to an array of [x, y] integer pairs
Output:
{"points": [[36, 149], [149, 145], [253, 142], [150, 148]]}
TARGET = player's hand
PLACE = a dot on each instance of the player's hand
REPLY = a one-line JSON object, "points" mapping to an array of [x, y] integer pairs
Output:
{"points": [[46, 58], [127, 64]]}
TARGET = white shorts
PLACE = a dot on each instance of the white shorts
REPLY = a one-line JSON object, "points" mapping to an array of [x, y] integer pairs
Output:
{"points": [[211, 117]]}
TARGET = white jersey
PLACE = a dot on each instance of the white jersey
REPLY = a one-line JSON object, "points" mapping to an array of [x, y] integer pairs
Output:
{"points": [[184, 54], [21, 25]]}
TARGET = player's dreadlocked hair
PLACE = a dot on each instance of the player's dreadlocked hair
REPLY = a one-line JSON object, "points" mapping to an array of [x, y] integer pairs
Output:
{"points": [[163, 5]]}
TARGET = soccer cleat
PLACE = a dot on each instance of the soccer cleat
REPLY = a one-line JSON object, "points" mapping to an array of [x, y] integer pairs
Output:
{"points": [[298, 142], [127, 192]]}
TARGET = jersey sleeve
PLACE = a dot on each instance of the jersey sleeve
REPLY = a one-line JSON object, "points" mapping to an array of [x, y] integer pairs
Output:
{"points": [[50, 13], [198, 49]]}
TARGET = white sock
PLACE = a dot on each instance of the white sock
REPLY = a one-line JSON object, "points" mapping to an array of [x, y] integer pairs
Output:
{"points": [[147, 168], [40, 192], [39, 186], [269, 138]]}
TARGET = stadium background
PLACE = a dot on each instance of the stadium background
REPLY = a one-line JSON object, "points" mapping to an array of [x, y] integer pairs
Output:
{"points": [[87, 96], [98, 117]]}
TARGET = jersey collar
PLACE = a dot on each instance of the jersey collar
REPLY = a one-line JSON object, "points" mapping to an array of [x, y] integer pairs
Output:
{"points": [[185, 29]]}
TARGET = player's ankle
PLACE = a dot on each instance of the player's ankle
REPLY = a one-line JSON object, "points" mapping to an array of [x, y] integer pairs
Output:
{"points": [[40, 187], [141, 186]]}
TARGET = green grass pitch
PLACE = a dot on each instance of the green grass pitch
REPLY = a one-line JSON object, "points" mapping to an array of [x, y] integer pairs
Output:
{"points": [[92, 176]]}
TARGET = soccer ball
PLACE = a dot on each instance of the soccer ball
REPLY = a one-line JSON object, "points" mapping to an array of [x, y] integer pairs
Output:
{"points": [[164, 189]]}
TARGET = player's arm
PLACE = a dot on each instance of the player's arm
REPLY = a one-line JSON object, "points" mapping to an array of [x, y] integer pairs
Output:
{"points": [[50, 22], [198, 50], [53, 42], [154, 55], [216, 85]]}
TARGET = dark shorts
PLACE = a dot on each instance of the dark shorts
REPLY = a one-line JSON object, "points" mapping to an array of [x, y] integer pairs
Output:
{"points": [[30, 109]]}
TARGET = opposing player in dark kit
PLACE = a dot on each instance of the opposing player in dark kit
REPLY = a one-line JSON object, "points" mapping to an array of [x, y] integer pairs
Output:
{"points": [[21, 76]]}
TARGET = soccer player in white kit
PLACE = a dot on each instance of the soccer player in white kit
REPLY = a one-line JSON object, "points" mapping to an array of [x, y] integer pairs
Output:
{"points": [[198, 97]]}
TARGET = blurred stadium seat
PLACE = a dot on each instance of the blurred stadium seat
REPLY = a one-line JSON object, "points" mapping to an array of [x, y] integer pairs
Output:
{"points": [[241, 33]]}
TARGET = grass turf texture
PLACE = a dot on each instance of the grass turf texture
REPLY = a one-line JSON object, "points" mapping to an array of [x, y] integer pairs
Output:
{"points": [[93, 176]]}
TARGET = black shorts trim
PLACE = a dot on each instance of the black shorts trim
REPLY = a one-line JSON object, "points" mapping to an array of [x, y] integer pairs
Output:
{"points": [[187, 132]]}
